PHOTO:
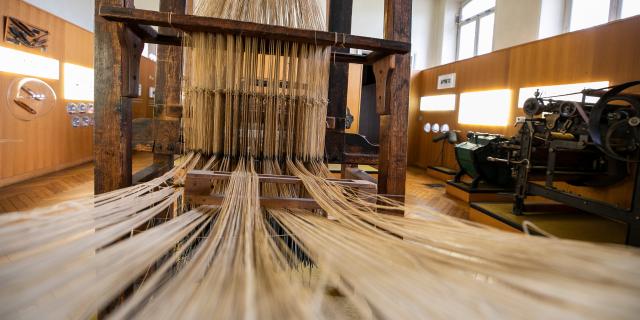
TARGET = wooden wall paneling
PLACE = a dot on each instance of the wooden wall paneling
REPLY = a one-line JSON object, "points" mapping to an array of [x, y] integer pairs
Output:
{"points": [[597, 54], [354, 93], [78, 49], [142, 107], [616, 61], [414, 118], [487, 72], [47, 143]]}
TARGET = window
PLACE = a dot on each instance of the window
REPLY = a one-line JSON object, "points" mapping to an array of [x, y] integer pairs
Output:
{"points": [[475, 28], [588, 13], [629, 8], [488, 108], [445, 102], [582, 14]]}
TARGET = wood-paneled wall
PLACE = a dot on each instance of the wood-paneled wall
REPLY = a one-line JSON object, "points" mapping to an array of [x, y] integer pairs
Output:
{"points": [[607, 52], [142, 107], [48, 143], [354, 94]]}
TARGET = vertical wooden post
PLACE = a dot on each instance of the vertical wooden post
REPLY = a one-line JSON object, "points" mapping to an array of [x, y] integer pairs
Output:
{"points": [[339, 21], [393, 124], [112, 131], [168, 92]]}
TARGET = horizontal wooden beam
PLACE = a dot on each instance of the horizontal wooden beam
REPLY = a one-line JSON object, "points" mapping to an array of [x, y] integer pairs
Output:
{"points": [[203, 178], [150, 35], [198, 187], [265, 202], [359, 158], [193, 23], [356, 173]]}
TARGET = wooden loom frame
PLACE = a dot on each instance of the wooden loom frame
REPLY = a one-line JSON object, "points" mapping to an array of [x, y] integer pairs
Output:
{"points": [[117, 78]]}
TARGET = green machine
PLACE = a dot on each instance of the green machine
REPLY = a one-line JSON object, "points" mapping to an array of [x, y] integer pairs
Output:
{"points": [[477, 158]]}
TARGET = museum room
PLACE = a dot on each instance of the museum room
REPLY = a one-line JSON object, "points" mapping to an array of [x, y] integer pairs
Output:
{"points": [[320, 159]]}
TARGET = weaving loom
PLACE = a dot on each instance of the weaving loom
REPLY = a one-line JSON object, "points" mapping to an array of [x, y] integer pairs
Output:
{"points": [[249, 225]]}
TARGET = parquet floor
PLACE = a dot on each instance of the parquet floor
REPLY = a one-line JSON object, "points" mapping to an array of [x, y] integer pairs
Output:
{"points": [[78, 181], [430, 197], [55, 187]]}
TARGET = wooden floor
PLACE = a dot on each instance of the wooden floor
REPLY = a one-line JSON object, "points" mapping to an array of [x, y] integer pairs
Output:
{"points": [[59, 186], [427, 192], [78, 182]]}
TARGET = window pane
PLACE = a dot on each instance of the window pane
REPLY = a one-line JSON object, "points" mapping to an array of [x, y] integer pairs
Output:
{"points": [[630, 8], [466, 46], [485, 39], [476, 6], [588, 13]]}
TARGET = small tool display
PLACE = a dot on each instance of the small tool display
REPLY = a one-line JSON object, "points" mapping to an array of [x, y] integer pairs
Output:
{"points": [[24, 34]]}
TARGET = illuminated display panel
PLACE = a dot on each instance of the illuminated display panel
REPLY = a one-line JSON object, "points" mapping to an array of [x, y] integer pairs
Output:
{"points": [[445, 102], [29, 64], [488, 108], [78, 82], [547, 91]]}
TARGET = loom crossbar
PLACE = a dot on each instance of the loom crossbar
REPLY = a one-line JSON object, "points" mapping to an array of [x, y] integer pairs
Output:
{"points": [[199, 184], [139, 21]]}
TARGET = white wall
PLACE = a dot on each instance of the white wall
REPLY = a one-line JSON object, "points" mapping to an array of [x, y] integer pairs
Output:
{"points": [[368, 20], [443, 32], [78, 12], [421, 24], [517, 21], [147, 4]]}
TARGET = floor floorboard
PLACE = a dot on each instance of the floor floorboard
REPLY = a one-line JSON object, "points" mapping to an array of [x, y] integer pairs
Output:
{"points": [[58, 186]]}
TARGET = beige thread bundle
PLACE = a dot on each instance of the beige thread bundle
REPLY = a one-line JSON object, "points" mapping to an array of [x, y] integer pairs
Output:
{"points": [[255, 106]]}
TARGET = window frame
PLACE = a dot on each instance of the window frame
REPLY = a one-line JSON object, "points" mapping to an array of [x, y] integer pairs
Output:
{"points": [[615, 12], [471, 19]]}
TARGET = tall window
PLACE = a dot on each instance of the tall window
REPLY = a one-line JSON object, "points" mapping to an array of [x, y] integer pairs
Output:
{"points": [[475, 28], [629, 8], [582, 14]]}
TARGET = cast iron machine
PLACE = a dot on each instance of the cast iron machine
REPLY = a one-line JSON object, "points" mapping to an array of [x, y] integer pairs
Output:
{"points": [[583, 144], [475, 156]]}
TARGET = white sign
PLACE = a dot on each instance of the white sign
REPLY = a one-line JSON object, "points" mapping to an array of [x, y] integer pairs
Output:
{"points": [[447, 81]]}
